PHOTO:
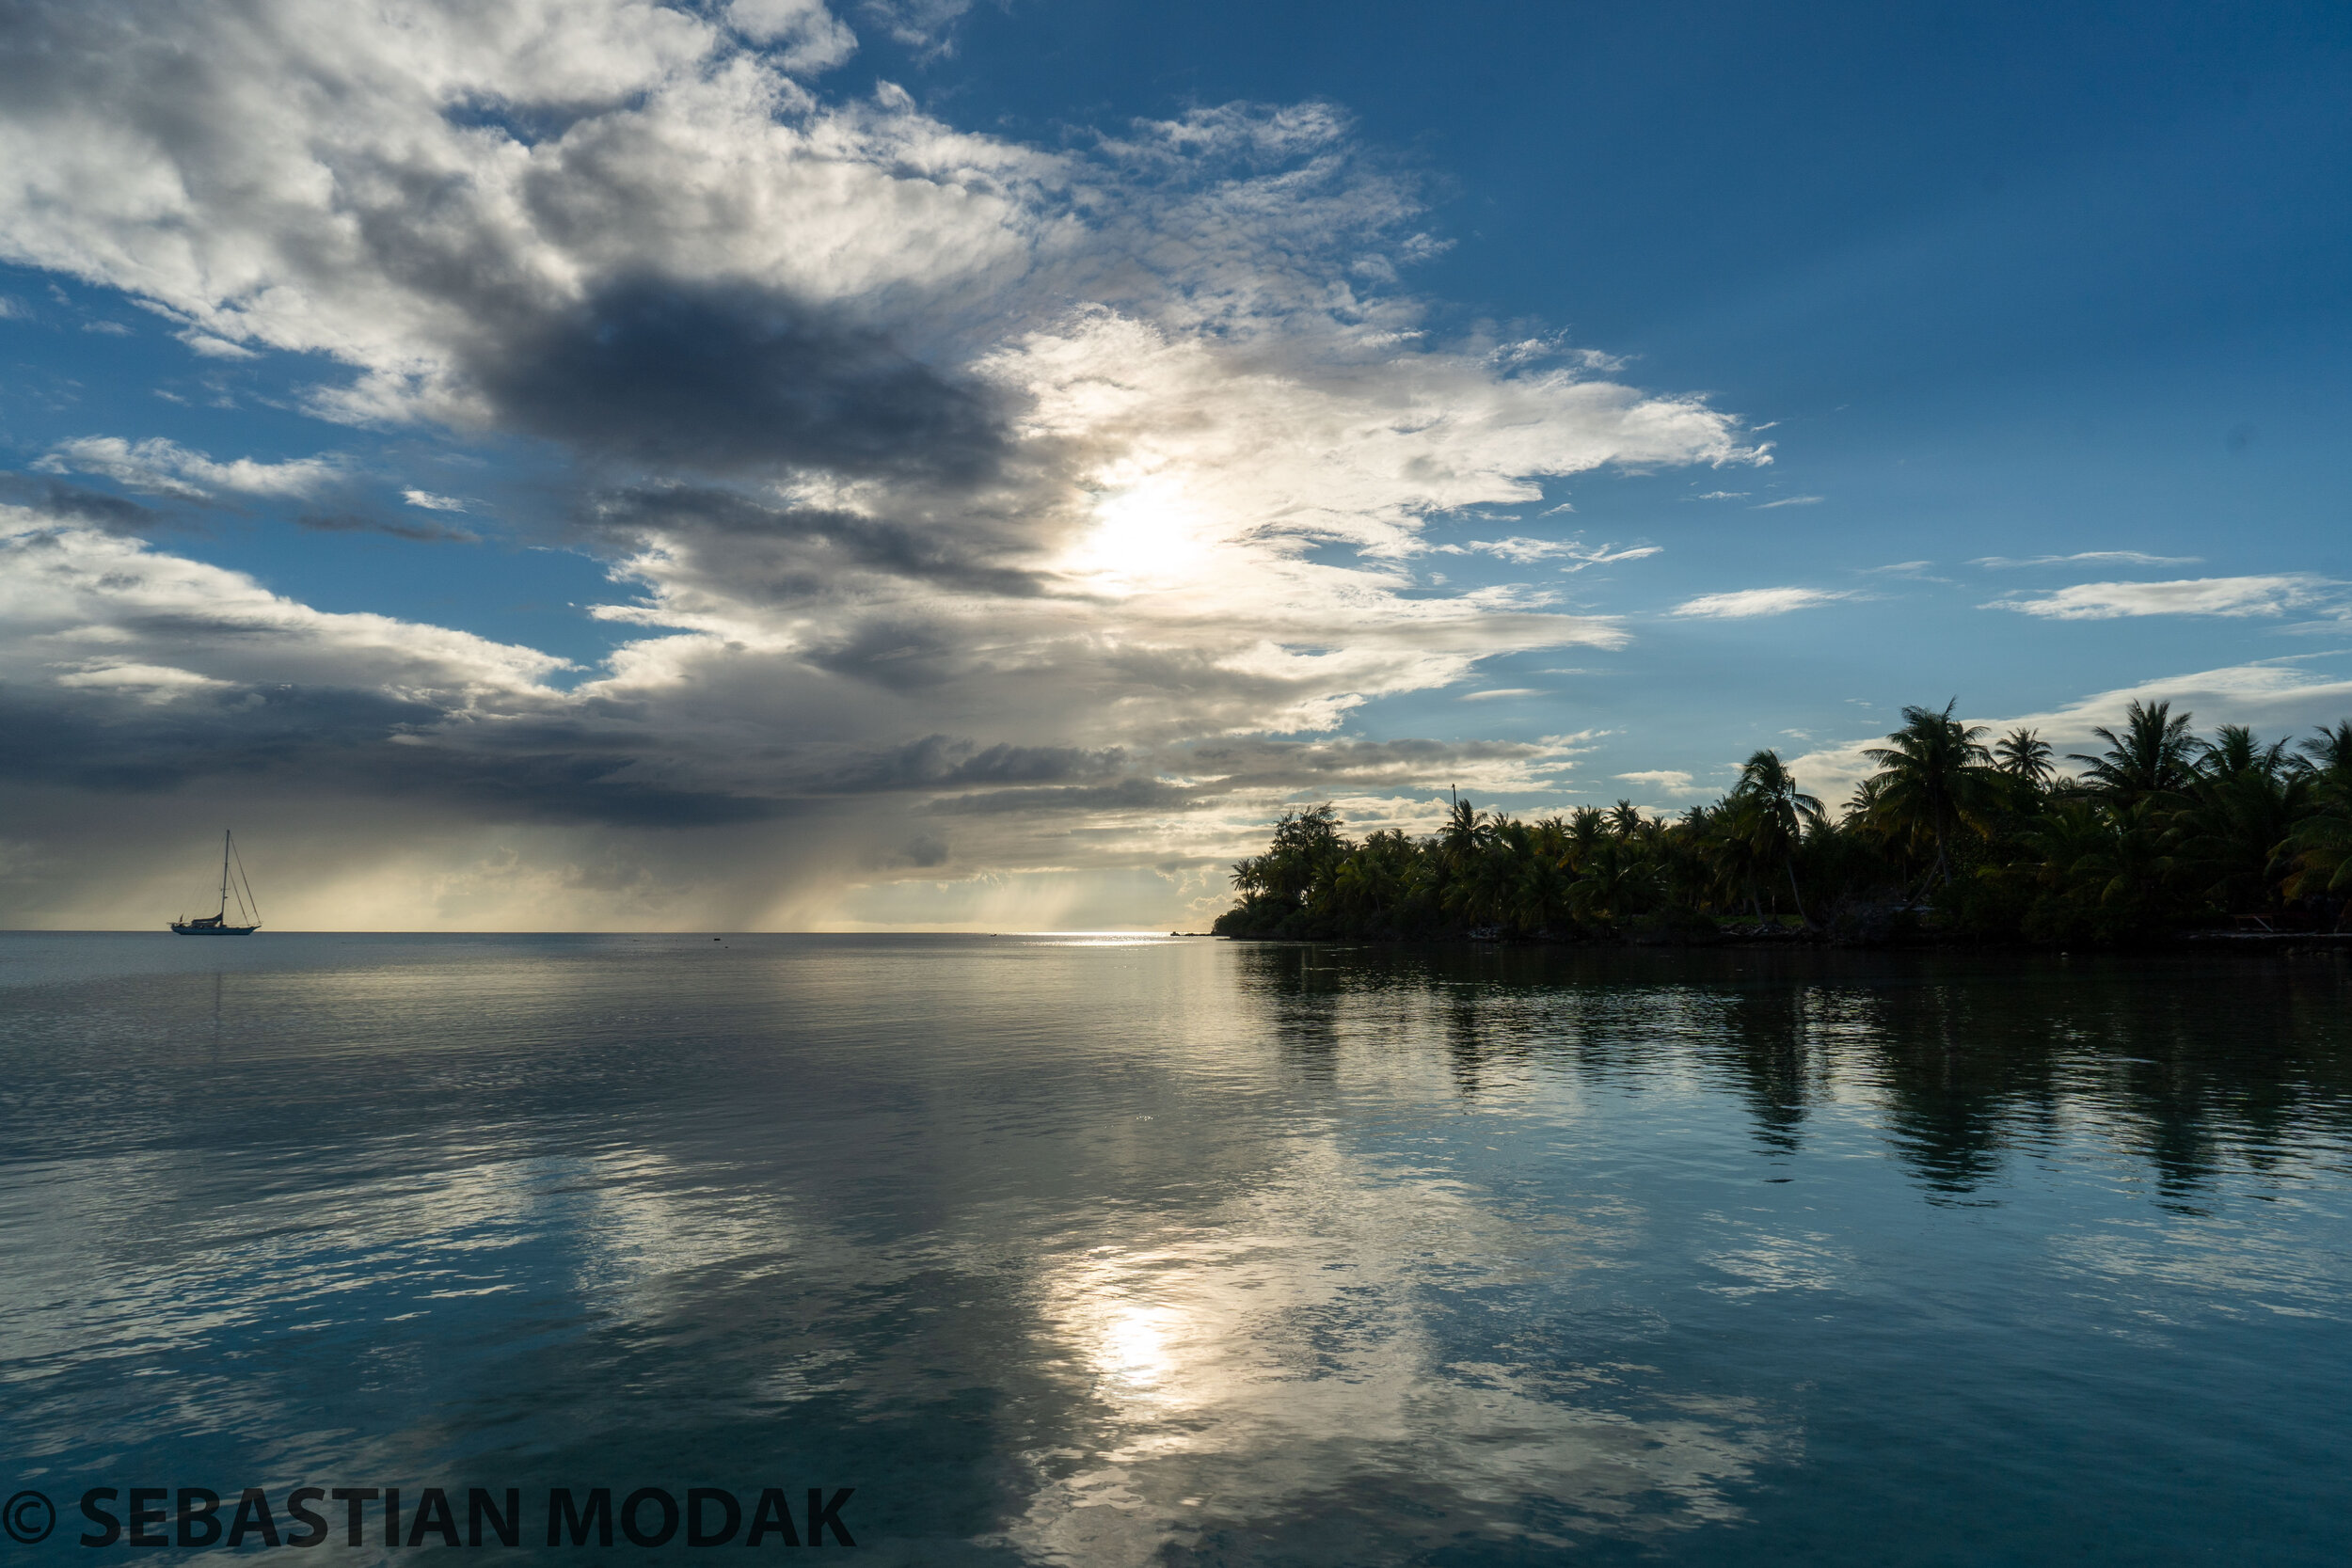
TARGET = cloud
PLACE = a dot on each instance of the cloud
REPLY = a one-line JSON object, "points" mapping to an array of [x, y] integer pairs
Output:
{"points": [[352, 522], [164, 467], [431, 502], [1605, 555], [905, 447], [1748, 602], [1788, 501], [734, 380], [89, 507], [2122, 557], [1665, 781], [215, 348], [921, 25], [806, 38], [1500, 691], [2222, 596], [1525, 551]]}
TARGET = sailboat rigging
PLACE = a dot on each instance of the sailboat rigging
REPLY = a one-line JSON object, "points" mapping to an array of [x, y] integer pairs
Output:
{"points": [[216, 925]]}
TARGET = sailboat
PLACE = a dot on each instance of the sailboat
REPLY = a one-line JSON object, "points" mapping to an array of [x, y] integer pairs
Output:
{"points": [[216, 925]]}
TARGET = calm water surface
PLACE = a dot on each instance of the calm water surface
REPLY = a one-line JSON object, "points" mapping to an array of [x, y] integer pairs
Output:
{"points": [[1126, 1252]]}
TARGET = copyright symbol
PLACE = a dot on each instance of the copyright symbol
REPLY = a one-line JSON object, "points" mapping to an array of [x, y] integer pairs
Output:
{"points": [[28, 1518]]}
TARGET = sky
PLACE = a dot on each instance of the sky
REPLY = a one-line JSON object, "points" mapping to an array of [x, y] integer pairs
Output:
{"points": [[597, 464]]}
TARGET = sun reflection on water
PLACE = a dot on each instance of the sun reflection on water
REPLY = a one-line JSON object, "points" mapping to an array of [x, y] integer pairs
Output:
{"points": [[1298, 1348]]}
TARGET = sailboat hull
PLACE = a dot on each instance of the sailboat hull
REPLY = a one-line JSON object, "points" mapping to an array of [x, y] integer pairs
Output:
{"points": [[213, 930]]}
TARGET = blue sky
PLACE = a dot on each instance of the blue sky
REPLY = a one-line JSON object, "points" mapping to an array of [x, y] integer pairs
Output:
{"points": [[2039, 315]]}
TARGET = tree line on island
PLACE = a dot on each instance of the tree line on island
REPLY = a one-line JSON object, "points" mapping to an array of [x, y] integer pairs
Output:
{"points": [[2162, 832]]}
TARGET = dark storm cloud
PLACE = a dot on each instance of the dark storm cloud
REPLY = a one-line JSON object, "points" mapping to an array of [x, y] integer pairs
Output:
{"points": [[108, 741], [705, 378], [921, 851], [332, 742], [948, 762], [793, 550], [580, 789], [353, 522], [92, 508]]}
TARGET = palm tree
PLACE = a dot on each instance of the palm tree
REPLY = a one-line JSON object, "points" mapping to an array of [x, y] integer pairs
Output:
{"points": [[1933, 780], [2024, 756], [1619, 881], [2242, 805], [2320, 846], [2155, 754], [1732, 846], [1462, 836], [2330, 753], [1779, 815]]}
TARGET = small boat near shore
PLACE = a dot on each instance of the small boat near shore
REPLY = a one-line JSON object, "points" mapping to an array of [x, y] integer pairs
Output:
{"points": [[217, 924]]}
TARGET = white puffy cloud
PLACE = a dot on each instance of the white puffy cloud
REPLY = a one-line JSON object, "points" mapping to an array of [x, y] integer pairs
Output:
{"points": [[164, 467], [1747, 602], [1666, 781], [808, 37], [2272, 594], [77, 602]]}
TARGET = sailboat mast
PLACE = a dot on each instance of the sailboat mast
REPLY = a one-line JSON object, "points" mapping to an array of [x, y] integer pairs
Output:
{"points": [[224, 874]]}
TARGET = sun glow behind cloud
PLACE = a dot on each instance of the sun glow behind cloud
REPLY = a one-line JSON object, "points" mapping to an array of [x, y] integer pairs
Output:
{"points": [[1146, 535]]}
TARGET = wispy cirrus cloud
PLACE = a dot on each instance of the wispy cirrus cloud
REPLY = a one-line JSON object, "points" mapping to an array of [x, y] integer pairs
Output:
{"points": [[2118, 558], [1749, 602], [2233, 597], [1788, 501], [1522, 552], [357, 522]]}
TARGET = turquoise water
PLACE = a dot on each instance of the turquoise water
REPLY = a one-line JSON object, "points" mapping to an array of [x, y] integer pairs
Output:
{"points": [[1124, 1251]]}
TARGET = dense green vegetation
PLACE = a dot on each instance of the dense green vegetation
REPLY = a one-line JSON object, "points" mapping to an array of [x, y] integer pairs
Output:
{"points": [[2161, 832]]}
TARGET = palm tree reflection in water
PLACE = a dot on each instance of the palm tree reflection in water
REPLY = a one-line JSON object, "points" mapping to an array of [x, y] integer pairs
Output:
{"points": [[1968, 1064]]}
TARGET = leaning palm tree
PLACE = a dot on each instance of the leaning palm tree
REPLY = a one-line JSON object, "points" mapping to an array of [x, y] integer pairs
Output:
{"points": [[1935, 778], [2155, 754], [2024, 756]]}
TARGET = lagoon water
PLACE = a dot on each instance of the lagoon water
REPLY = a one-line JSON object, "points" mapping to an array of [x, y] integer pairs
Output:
{"points": [[1120, 1251]]}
